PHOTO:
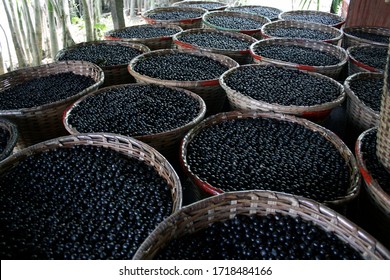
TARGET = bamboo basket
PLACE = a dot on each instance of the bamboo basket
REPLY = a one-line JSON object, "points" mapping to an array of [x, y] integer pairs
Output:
{"points": [[350, 40], [243, 103], [209, 90], [115, 74], [156, 43], [241, 56], [359, 114], [265, 11], [356, 66], [207, 188], [335, 33], [45, 122], [251, 32], [167, 142], [332, 71], [183, 23], [202, 214], [292, 15], [199, 4], [12, 131]]}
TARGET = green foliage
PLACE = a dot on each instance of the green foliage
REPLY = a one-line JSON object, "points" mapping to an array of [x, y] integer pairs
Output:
{"points": [[101, 28]]}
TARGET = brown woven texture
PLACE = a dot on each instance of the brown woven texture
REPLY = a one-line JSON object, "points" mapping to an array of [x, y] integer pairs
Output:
{"points": [[358, 113], [239, 9], [256, 33], [126, 146], [288, 14], [192, 3], [164, 42], [379, 196], [383, 135], [183, 23], [166, 142], [241, 56], [45, 122], [12, 131], [210, 90], [337, 34], [245, 103], [116, 74], [350, 161], [350, 40], [332, 71], [202, 214], [356, 66]]}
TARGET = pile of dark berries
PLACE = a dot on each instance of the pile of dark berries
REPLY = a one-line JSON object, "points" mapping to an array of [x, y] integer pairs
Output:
{"points": [[316, 18], [175, 15], [4, 138], [369, 91], [234, 22], [268, 154], [215, 40], [204, 5], [180, 67], [268, 12], [101, 54], [370, 36], [260, 237], [44, 90], [297, 54], [297, 32], [134, 110], [371, 56], [374, 166], [83, 202], [277, 85], [143, 32]]}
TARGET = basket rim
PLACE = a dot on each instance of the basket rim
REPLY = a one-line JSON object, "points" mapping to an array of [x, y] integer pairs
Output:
{"points": [[354, 176], [108, 36], [78, 63], [371, 29], [173, 83], [202, 111], [261, 19], [351, 94], [179, 4], [232, 8], [13, 137], [372, 184], [301, 43], [300, 24], [145, 14], [360, 64], [299, 12], [247, 38], [138, 46], [283, 108], [307, 209]]}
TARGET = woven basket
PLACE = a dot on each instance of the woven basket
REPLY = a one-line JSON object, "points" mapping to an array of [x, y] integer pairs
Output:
{"points": [[198, 4], [183, 23], [289, 15], [113, 75], [355, 66], [332, 71], [241, 56], [337, 34], [224, 207], [13, 137], [210, 90], [352, 191], [156, 43], [45, 122], [167, 142], [350, 40], [246, 8], [252, 32], [245, 103], [359, 114]]}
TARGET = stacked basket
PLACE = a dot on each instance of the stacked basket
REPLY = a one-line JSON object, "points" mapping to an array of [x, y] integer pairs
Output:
{"points": [[352, 40], [356, 66], [305, 15], [208, 5], [268, 12], [10, 131]]}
